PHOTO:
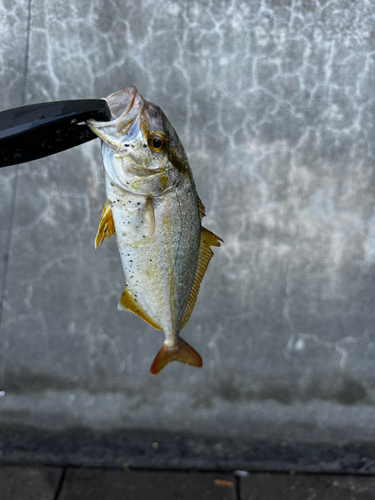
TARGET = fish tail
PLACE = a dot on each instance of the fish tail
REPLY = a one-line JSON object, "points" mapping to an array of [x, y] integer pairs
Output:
{"points": [[182, 352]]}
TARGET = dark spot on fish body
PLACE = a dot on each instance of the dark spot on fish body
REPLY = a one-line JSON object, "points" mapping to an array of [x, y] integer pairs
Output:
{"points": [[154, 111], [177, 162]]}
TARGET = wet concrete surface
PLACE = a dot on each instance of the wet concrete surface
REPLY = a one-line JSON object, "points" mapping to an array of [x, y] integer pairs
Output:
{"points": [[274, 104]]}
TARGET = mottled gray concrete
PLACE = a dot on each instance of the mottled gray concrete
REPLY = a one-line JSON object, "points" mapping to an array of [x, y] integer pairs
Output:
{"points": [[13, 68], [274, 102], [14, 35]]}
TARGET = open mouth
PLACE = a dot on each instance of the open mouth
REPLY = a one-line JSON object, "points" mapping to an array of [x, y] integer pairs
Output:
{"points": [[121, 102], [125, 106]]}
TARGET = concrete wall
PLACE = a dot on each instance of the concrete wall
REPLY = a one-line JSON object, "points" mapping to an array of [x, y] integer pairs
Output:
{"points": [[274, 103]]}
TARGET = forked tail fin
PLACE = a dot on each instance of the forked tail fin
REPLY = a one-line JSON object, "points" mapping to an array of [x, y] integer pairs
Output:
{"points": [[182, 352]]}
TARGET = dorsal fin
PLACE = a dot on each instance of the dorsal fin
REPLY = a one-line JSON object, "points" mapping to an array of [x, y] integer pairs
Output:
{"points": [[106, 226], [201, 209], [128, 302], [207, 240]]}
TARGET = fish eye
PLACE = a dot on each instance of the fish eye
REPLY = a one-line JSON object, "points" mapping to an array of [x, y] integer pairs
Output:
{"points": [[157, 142]]}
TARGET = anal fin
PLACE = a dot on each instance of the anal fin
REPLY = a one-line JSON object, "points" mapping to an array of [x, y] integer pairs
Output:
{"points": [[207, 240], [106, 225], [182, 352], [128, 302]]}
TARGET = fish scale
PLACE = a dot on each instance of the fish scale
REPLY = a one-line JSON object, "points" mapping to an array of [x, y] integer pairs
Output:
{"points": [[145, 257], [154, 210]]}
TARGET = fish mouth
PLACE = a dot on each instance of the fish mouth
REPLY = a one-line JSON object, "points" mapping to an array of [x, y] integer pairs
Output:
{"points": [[125, 106]]}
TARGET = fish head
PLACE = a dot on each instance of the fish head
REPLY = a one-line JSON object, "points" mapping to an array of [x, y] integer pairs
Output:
{"points": [[141, 134]]}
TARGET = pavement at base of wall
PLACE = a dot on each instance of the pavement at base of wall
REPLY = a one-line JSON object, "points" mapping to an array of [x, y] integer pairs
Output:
{"points": [[59, 483]]}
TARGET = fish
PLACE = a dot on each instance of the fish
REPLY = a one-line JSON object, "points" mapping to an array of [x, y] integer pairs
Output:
{"points": [[153, 209]]}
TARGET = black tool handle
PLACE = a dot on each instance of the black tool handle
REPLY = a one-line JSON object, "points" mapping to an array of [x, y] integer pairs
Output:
{"points": [[39, 130]]}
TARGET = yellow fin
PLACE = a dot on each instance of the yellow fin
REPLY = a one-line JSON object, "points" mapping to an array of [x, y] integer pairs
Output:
{"points": [[182, 352], [127, 301], [207, 240], [201, 209], [106, 226], [150, 216]]}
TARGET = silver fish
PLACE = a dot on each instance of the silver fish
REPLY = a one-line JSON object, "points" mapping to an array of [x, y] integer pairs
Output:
{"points": [[153, 208]]}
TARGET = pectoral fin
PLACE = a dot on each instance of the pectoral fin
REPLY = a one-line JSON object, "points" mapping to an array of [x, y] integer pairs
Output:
{"points": [[150, 217], [128, 302], [207, 241], [182, 352], [106, 226]]}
